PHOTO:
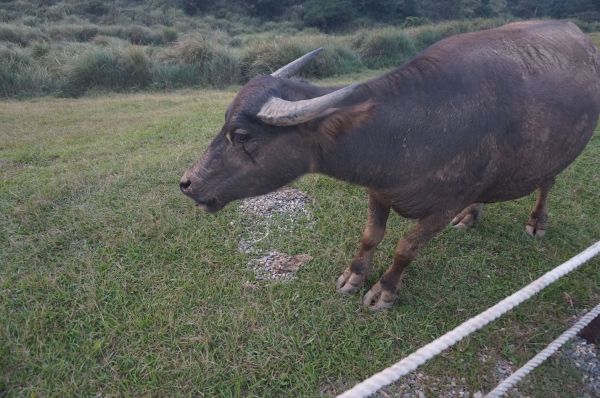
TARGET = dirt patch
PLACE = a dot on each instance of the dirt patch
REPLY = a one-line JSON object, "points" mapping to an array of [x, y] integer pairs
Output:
{"points": [[280, 210], [276, 266], [288, 202]]}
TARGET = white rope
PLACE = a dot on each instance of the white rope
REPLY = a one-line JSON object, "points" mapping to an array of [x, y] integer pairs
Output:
{"points": [[537, 360], [423, 354]]}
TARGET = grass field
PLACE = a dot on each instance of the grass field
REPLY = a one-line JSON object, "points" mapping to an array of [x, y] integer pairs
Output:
{"points": [[113, 283]]}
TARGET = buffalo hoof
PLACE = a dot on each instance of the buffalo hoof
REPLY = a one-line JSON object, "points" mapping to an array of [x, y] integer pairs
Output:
{"points": [[379, 298], [349, 282], [468, 217], [536, 226], [534, 231]]}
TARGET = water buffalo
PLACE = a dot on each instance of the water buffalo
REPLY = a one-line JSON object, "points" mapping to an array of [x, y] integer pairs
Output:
{"points": [[476, 118]]}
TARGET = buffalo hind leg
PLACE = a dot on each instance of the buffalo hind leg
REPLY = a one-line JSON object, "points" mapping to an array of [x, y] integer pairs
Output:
{"points": [[355, 274], [538, 219], [384, 293], [468, 217]]}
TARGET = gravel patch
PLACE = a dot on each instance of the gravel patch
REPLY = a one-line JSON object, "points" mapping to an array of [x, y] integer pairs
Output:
{"points": [[288, 202], [276, 266], [503, 369], [421, 385], [279, 211], [585, 358]]}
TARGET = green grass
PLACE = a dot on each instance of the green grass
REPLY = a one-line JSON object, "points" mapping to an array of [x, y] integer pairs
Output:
{"points": [[113, 283]]}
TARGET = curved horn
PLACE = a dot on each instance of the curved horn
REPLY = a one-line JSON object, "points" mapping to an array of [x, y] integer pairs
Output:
{"points": [[294, 67], [279, 112]]}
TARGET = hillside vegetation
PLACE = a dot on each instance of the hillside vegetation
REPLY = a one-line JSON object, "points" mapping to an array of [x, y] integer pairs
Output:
{"points": [[68, 48]]}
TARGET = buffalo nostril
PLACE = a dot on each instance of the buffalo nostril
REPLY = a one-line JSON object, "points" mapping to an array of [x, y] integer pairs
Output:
{"points": [[185, 184]]}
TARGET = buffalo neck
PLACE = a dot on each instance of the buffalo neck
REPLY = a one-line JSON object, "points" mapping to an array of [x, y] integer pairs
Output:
{"points": [[364, 155]]}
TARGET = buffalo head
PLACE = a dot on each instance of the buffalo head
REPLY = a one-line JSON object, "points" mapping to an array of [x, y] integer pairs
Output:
{"points": [[272, 134]]}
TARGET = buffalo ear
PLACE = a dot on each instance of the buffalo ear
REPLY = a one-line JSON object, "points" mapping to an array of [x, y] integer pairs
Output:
{"points": [[339, 120]]}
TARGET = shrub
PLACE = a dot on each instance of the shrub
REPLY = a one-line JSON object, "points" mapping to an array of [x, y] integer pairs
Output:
{"points": [[328, 14]]}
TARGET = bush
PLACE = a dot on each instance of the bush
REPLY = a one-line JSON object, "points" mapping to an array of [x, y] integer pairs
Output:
{"points": [[328, 14]]}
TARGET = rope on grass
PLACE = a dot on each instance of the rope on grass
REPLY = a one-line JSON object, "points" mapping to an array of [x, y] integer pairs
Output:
{"points": [[423, 354], [537, 360]]}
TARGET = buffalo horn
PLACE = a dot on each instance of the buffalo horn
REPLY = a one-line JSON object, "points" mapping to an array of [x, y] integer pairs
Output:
{"points": [[294, 67], [279, 112]]}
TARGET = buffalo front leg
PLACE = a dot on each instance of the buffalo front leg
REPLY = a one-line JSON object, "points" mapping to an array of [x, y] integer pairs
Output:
{"points": [[385, 292], [355, 274], [538, 219]]}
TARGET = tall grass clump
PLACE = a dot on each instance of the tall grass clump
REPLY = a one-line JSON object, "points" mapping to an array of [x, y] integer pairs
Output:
{"points": [[19, 34], [213, 65], [142, 35], [73, 32], [169, 35], [384, 47], [40, 49], [107, 69], [197, 62], [171, 74], [268, 56], [425, 37], [20, 77], [222, 70]]}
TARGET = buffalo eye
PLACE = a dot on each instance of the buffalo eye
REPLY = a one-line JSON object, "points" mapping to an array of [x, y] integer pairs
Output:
{"points": [[240, 136]]}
